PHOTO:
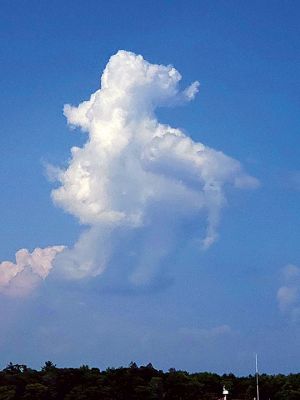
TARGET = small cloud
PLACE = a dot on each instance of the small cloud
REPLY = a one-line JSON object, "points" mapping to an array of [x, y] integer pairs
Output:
{"points": [[291, 273], [190, 92], [288, 295], [200, 334], [248, 182], [52, 172], [19, 278]]}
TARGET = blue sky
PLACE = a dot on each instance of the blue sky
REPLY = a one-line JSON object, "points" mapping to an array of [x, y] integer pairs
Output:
{"points": [[204, 310]]}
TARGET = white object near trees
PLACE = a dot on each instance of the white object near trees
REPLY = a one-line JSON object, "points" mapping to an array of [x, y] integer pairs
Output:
{"points": [[225, 393]]}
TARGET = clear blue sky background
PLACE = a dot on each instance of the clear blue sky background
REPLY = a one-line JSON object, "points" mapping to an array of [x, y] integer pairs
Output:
{"points": [[246, 55]]}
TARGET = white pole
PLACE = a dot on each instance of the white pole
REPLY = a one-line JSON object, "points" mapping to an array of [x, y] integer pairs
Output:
{"points": [[256, 373]]}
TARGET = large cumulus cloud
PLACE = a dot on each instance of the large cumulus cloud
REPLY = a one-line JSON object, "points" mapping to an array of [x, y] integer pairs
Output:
{"points": [[136, 173]]}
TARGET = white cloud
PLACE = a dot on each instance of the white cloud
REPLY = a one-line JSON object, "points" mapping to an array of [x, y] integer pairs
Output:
{"points": [[288, 295], [20, 278], [135, 172], [131, 163]]}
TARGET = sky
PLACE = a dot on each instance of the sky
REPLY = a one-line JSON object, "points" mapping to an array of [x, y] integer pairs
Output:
{"points": [[150, 183]]}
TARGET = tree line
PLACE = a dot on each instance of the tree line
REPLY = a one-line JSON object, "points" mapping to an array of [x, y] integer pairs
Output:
{"points": [[19, 382]]}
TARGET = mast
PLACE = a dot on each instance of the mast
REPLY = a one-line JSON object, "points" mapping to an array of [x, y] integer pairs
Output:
{"points": [[256, 374]]}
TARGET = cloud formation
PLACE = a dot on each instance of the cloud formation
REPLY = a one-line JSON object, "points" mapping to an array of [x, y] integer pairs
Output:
{"points": [[201, 334], [288, 295], [21, 277], [134, 173]]}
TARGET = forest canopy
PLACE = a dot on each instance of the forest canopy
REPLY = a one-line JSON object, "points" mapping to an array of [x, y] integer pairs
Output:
{"points": [[17, 381]]}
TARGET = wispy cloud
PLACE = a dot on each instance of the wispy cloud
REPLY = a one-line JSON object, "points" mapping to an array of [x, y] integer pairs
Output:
{"points": [[288, 295], [201, 334], [136, 173], [293, 180]]}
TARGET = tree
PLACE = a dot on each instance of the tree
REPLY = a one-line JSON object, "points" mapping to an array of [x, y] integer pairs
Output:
{"points": [[7, 392], [15, 368], [49, 366], [35, 391]]}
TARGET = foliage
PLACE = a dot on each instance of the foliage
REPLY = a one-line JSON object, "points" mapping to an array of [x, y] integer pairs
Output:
{"points": [[18, 382]]}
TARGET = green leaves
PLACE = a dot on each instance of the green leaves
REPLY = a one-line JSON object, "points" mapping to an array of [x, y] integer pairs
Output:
{"points": [[18, 382]]}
